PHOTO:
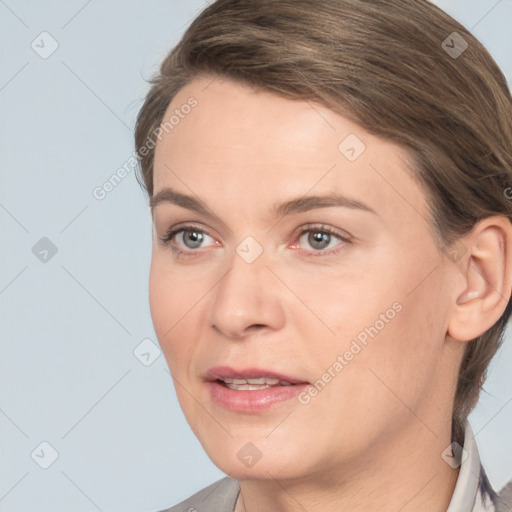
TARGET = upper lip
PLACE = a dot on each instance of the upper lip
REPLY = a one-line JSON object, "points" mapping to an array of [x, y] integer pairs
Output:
{"points": [[227, 372]]}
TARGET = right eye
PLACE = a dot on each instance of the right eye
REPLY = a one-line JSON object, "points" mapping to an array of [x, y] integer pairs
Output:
{"points": [[187, 239]]}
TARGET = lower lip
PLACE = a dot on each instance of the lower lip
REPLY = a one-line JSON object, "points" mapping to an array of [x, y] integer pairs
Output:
{"points": [[252, 401]]}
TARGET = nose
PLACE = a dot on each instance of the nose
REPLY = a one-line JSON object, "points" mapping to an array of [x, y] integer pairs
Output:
{"points": [[246, 300]]}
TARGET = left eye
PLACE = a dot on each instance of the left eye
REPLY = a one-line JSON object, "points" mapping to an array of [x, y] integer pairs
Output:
{"points": [[319, 240]]}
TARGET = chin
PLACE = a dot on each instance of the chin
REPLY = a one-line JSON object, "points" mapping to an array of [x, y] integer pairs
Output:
{"points": [[246, 460], [260, 471]]}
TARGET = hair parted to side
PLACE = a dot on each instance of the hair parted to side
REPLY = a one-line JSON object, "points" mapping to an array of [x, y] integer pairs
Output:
{"points": [[381, 64]]}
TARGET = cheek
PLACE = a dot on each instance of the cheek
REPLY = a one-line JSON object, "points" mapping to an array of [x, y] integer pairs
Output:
{"points": [[336, 308], [379, 383], [170, 303], [398, 366], [162, 299], [173, 292], [388, 339], [173, 305]]}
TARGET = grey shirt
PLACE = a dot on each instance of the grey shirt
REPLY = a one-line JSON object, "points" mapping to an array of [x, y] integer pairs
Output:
{"points": [[472, 493]]}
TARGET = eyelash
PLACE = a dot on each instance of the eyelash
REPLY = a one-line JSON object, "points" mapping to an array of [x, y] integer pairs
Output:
{"points": [[167, 239]]}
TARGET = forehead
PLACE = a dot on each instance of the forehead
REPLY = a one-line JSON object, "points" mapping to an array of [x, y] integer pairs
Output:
{"points": [[255, 144]]}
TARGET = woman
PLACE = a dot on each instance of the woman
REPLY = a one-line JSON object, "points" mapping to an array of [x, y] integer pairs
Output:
{"points": [[331, 271]]}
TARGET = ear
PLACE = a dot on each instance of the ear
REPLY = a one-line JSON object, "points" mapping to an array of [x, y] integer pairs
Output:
{"points": [[484, 282]]}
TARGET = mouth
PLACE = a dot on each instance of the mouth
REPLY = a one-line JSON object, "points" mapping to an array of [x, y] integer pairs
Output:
{"points": [[251, 390], [255, 377], [253, 384]]}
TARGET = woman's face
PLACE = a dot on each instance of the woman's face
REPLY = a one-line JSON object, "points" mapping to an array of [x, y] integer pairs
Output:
{"points": [[299, 256]]}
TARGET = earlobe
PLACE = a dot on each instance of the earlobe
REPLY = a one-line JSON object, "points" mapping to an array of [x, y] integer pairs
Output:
{"points": [[485, 288]]}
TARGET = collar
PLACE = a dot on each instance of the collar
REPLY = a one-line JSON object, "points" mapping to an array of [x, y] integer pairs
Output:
{"points": [[472, 492]]}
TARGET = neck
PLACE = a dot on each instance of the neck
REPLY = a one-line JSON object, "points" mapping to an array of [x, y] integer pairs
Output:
{"points": [[407, 473]]}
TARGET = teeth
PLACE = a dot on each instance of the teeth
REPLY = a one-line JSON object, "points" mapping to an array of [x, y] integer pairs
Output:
{"points": [[254, 383], [247, 387], [263, 380]]}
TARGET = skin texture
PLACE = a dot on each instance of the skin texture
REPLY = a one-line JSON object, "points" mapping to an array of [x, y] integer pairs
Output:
{"points": [[386, 416]]}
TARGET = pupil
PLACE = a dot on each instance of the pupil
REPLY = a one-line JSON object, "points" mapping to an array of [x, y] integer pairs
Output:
{"points": [[319, 240], [193, 239]]}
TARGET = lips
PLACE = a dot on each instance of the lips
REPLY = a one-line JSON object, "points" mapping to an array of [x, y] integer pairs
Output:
{"points": [[251, 376], [254, 384], [251, 390]]}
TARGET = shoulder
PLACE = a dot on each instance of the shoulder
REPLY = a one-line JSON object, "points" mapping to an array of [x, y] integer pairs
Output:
{"points": [[504, 499], [220, 496]]}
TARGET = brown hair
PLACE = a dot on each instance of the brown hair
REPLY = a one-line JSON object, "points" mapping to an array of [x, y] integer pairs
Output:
{"points": [[397, 69]]}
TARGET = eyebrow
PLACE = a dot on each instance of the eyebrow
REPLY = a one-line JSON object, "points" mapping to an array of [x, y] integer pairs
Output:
{"points": [[305, 204], [167, 195], [300, 205]]}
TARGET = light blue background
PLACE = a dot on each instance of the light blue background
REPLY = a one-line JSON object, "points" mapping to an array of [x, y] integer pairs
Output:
{"points": [[68, 375]]}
